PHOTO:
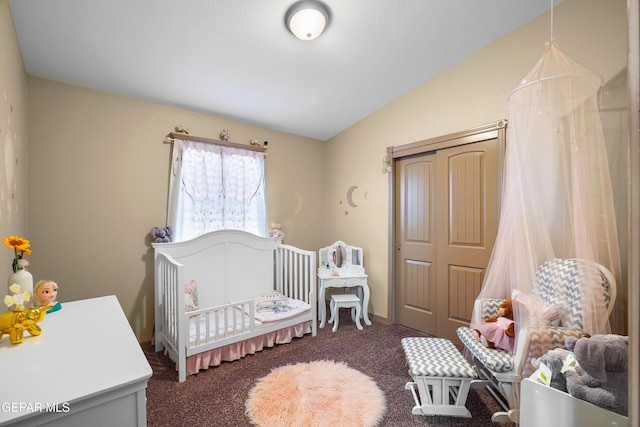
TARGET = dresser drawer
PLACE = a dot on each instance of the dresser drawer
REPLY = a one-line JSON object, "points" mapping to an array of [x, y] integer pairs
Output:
{"points": [[338, 282]]}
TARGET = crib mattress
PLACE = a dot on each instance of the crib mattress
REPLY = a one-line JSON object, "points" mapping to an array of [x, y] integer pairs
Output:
{"points": [[273, 306], [268, 308]]}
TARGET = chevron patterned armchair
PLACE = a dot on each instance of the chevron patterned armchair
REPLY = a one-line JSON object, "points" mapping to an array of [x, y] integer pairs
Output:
{"points": [[558, 282]]}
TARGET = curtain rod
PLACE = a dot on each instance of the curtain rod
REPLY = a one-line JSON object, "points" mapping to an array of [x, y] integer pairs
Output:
{"points": [[187, 137]]}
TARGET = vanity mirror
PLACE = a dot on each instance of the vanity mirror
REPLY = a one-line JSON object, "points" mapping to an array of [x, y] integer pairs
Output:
{"points": [[340, 256]]}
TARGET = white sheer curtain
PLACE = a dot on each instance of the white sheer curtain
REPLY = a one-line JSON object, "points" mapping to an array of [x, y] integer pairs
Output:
{"points": [[214, 187]]}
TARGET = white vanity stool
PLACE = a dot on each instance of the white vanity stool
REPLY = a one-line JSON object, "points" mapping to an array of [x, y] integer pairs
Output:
{"points": [[339, 301]]}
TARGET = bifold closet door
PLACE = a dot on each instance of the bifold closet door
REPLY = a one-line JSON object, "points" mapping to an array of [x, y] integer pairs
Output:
{"points": [[416, 252], [447, 207], [468, 213]]}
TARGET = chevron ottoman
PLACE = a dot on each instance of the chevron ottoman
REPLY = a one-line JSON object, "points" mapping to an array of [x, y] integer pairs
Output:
{"points": [[441, 377]]}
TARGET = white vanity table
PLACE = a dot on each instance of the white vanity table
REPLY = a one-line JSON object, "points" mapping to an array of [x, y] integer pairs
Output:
{"points": [[341, 266], [85, 369]]}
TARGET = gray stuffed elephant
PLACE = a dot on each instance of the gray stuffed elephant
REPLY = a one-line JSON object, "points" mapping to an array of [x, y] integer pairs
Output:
{"points": [[601, 377], [554, 360]]}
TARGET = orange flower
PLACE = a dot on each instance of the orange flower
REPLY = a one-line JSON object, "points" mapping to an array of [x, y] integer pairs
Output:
{"points": [[21, 247], [16, 243]]}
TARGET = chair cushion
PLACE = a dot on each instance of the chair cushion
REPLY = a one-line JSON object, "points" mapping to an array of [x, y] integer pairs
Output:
{"points": [[490, 307], [435, 357], [494, 359]]}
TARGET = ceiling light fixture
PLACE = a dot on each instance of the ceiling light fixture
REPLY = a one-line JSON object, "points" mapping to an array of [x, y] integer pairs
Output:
{"points": [[307, 19]]}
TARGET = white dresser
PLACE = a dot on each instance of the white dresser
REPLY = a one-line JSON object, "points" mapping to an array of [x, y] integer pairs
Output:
{"points": [[342, 266], [85, 369]]}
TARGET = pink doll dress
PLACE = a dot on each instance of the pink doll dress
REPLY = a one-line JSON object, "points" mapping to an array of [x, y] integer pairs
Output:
{"points": [[495, 332]]}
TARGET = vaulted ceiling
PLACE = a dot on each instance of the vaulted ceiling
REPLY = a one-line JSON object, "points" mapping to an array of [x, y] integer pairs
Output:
{"points": [[236, 59]]}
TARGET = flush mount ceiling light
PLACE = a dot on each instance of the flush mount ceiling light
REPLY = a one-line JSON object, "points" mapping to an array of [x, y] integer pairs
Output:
{"points": [[307, 19]]}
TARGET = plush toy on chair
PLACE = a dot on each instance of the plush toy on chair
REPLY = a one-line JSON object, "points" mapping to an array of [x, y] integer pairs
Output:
{"points": [[602, 375], [498, 331]]}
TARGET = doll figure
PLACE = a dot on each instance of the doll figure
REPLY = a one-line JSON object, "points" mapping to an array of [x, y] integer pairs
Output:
{"points": [[45, 294], [498, 331]]}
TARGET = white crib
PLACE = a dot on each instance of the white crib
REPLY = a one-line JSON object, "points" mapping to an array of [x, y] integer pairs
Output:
{"points": [[231, 269]]}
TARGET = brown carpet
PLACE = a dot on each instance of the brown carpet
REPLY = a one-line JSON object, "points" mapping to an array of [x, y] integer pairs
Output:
{"points": [[217, 396]]}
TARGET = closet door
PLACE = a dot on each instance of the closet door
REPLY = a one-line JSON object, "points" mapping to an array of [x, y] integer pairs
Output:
{"points": [[467, 215], [446, 203], [416, 252]]}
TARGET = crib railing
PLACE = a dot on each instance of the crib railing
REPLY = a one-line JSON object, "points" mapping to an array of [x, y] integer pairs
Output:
{"points": [[296, 275], [169, 305], [216, 324]]}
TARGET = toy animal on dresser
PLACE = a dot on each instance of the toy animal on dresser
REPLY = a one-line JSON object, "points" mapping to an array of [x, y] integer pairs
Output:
{"points": [[602, 375], [15, 323]]}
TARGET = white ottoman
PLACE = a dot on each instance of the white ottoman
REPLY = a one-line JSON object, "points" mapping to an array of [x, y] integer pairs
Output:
{"points": [[441, 377], [351, 301]]}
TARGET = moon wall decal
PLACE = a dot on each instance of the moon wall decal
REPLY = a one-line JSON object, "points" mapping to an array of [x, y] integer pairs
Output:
{"points": [[350, 196]]}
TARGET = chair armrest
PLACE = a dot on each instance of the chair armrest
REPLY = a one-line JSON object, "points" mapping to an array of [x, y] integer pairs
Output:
{"points": [[535, 341]]}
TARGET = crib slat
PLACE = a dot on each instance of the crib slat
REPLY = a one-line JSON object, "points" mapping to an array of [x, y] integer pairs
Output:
{"points": [[295, 272]]}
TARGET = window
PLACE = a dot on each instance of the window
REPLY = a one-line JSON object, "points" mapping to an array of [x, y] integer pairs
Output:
{"points": [[214, 187]]}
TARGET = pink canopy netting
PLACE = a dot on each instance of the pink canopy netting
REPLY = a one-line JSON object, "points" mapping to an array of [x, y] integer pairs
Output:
{"points": [[557, 200]]}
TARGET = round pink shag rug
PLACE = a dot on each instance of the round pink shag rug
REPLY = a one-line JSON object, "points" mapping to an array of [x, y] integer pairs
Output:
{"points": [[322, 393]]}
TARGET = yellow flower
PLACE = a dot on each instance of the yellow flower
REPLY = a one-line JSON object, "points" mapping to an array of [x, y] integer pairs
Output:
{"points": [[20, 247], [8, 300], [16, 242]]}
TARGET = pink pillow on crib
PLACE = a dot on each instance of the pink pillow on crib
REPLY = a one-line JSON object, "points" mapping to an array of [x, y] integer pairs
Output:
{"points": [[191, 296]]}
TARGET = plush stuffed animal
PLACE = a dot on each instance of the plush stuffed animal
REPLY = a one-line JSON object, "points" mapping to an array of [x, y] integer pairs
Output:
{"points": [[602, 375], [556, 361], [498, 331], [161, 234]]}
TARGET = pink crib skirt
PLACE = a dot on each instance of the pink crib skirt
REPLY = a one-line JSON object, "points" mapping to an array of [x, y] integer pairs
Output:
{"points": [[240, 349]]}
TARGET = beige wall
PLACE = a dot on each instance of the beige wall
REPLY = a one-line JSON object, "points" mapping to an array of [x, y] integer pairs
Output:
{"points": [[99, 183], [13, 140], [469, 94]]}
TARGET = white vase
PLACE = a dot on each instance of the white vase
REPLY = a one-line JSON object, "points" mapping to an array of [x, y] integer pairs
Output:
{"points": [[25, 280]]}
